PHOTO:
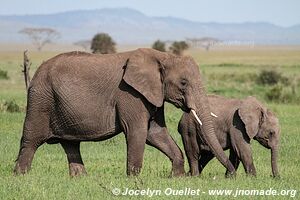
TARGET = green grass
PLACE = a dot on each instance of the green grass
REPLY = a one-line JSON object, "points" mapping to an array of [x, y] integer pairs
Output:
{"points": [[106, 161]]}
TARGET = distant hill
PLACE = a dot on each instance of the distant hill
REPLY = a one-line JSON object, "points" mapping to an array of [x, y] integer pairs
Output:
{"points": [[128, 26]]}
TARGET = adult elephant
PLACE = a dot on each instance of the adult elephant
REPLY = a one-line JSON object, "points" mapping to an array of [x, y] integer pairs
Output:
{"points": [[77, 96]]}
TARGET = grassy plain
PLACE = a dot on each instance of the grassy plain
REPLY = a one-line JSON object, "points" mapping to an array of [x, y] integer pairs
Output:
{"points": [[227, 71]]}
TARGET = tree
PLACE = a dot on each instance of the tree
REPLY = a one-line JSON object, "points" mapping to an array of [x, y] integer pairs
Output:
{"points": [[40, 36], [159, 45], [103, 43], [178, 47], [86, 44]]}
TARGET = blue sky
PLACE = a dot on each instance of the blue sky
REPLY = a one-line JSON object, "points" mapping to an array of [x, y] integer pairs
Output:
{"points": [[279, 12]]}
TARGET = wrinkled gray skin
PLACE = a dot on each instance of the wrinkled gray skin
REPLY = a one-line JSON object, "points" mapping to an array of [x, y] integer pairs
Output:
{"points": [[77, 96], [237, 122]]}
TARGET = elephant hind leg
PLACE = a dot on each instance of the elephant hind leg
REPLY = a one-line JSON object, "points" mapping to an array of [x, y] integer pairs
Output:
{"points": [[36, 128], [159, 138], [205, 157], [76, 166], [25, 157], [35, 133]]}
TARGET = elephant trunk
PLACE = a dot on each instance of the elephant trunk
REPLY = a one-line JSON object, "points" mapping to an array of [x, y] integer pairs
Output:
{"points": [[204, 119], [274, 156]]}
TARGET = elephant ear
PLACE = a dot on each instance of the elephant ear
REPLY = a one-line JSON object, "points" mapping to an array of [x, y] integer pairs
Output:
{"points": [[143, 73], [251, 113]]}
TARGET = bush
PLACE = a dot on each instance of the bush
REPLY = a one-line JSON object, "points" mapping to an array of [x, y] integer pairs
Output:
{"points": [[271, 77], [275, 93], [280, 94], [3, 74], [178, 47], [103, 43], [159, 45], [12, 106]]}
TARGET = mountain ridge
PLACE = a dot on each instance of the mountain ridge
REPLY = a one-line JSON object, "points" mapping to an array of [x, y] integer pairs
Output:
{"points": [[129, 26]]}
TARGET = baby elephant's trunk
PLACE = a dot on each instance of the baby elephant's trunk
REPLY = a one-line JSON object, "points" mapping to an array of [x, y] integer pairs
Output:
{"points": [[274, 156]]}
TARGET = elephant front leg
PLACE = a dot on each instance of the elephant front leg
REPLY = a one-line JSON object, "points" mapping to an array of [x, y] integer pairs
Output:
{"points": [[136, 140], [159, 138], [191, 149], [193, 163], [249, 165], [76, 166], [242, 147]]}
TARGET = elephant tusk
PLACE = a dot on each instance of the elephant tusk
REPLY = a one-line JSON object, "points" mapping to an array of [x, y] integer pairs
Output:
{"points": [[197, 118], [213, 114]]}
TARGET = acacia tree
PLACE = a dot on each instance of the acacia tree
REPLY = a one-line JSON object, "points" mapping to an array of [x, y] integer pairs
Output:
{"points": [[178, 47], [159, 45], [103, 43], [40, 36]]}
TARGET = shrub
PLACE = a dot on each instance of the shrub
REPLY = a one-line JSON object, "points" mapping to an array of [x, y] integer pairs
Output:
{"points": [[159, 45], [3, 74], [178, 47], [271, 77], [103, 43], [275, 93], [280, 94], [12, 106]]}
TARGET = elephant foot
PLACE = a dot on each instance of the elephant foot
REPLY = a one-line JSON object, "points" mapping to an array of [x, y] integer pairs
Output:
{"points": [[177, 174], [178, 169], [133, 171], [251, 171], [230, 174], [20, 170], [76, 169], [276, 176], [193, 173]]}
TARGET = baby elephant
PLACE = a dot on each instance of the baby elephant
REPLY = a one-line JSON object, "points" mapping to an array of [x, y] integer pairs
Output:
{"points": [[236, 122]]}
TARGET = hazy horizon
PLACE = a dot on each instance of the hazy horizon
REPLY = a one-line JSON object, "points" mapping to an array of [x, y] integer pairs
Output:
{"points": [[232, 11]]}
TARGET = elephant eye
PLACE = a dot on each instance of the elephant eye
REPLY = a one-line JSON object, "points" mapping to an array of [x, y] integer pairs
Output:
{"points": [[183, 82]]}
